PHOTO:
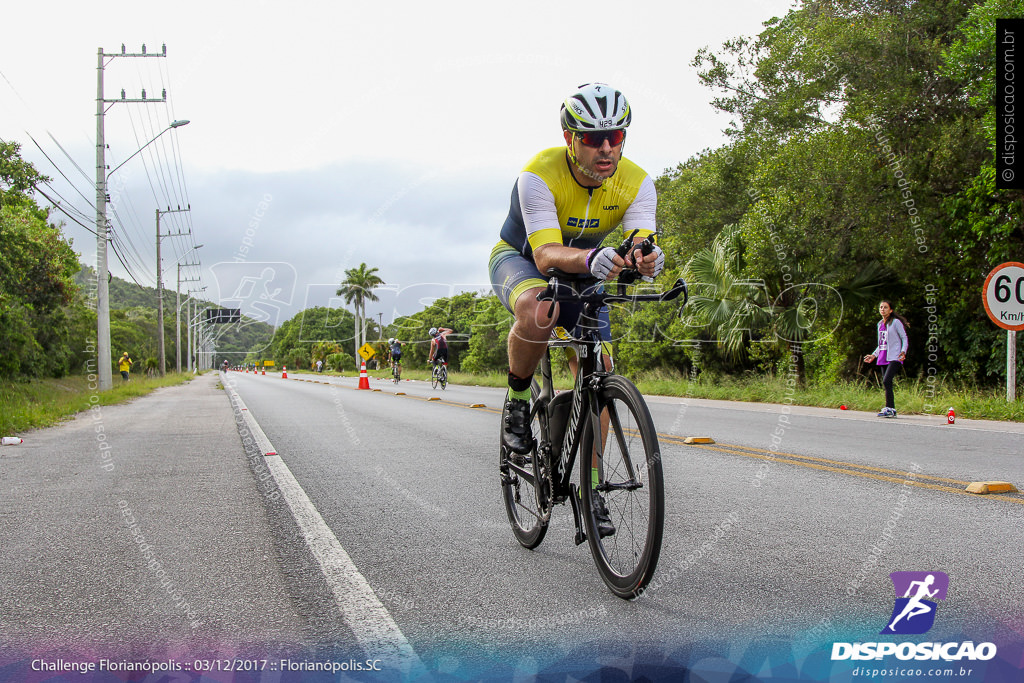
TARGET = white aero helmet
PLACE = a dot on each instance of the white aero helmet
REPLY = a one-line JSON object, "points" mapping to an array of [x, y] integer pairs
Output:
{"points": [[595, 106], [391, 341], [433, 332]]}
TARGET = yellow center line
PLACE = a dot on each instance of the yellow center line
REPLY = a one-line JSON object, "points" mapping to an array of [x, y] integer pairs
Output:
{"points": [[841, 467], [771, 455]]}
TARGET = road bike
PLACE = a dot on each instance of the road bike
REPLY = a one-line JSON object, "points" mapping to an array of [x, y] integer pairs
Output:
{"points": [[439, 374], [605, 421]]}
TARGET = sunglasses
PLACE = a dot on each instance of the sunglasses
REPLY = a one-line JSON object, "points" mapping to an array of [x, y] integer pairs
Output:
{"points": [[596, 139]]}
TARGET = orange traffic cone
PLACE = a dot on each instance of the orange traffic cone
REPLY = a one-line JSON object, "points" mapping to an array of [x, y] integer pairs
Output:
{"points": [[284, 372], [364, 381]]}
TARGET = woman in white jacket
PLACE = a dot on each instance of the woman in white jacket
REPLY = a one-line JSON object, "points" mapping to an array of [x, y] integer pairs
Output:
{"points": [[890, 352]]}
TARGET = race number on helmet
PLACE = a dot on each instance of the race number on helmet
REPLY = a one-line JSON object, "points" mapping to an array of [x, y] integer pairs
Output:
{"points": [[595, 106]]}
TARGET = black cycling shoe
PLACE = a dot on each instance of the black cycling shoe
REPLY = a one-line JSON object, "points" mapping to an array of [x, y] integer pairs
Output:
{"points": [[516, 434], [601, 516]]}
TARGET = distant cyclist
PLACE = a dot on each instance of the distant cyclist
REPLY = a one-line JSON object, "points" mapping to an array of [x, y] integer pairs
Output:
{"points": [[565, 202], [438, 345], [395, 350]]}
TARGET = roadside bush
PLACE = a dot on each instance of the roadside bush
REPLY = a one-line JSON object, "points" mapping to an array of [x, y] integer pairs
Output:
{"points": [[340, 362]]}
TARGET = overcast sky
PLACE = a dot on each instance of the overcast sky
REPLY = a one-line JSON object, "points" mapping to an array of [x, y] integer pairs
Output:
{"points": [[327, 134]]}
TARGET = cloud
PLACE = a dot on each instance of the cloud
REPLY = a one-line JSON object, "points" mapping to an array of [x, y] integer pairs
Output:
{"points": [[436, 227]]}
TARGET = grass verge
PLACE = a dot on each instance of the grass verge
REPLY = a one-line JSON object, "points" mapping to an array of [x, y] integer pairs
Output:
{"points": [[44, 402], [913, 397]]}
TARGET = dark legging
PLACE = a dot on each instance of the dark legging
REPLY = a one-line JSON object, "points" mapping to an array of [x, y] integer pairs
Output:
{"points": [[890, 373]]}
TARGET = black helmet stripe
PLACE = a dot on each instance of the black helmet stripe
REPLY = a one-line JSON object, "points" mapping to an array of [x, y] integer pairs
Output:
{"points": [[603, 101], [583, 100]]}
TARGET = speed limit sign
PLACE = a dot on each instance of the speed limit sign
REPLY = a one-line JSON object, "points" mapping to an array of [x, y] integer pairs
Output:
{"points": [[1004, 295]]}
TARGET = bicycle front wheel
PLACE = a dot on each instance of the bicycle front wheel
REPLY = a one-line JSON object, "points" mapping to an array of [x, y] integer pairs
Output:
{"points": [[444, 378], [525, 501], [630, 486]]}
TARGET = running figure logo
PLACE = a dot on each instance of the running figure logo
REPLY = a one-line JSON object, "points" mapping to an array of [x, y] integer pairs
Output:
{"points": [[914, 612]]}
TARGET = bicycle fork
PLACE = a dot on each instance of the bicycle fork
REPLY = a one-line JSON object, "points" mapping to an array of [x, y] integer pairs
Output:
{"points": [[575, 492]]}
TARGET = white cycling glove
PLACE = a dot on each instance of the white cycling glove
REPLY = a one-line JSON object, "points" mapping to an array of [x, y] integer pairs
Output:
{"points": [[601, 262], [659, 263]]}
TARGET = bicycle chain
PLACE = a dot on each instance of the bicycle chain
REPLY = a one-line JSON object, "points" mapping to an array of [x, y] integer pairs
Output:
{"points": [[545, 514]]}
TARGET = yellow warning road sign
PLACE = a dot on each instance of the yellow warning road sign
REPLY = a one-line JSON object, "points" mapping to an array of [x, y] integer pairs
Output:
{"points": [[366, 351]]}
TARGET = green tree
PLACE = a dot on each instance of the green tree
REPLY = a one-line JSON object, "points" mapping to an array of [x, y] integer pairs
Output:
{"points": [[357, 288], [38, 296], [314, 328], [867, 121], [488, 340]]}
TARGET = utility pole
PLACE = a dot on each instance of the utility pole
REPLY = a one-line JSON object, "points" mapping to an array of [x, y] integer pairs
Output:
{"points": [[177, 309], [160, 283], [103, 364]]}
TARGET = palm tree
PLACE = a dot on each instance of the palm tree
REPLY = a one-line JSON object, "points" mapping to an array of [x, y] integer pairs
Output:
{"points": [[730, 307], [735, 310], [357, 288]]}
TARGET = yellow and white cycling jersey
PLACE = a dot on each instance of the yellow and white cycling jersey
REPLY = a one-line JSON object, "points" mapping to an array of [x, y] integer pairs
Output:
{"points": [[549, 206]]}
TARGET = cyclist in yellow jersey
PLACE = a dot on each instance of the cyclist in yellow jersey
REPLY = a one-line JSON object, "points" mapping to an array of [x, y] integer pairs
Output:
{"points": [[565, 202]]}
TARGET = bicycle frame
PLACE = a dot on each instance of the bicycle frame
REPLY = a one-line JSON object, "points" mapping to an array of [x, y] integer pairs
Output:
{"points": [[588, 353]]}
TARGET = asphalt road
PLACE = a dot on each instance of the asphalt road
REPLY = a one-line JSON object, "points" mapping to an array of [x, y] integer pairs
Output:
{"points": [[375, 533], [789, 524]]}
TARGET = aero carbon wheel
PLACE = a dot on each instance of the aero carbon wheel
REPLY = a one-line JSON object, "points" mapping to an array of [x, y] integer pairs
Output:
{"points": [[520, 495], [433, 378], [444, 377], [631, 486]]}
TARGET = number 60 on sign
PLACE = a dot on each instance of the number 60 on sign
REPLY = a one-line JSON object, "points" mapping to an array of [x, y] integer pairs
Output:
{"points": [[1003, 295]]}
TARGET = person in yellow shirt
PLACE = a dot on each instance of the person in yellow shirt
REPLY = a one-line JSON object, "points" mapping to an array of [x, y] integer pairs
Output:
{"points": [[124, 365]]}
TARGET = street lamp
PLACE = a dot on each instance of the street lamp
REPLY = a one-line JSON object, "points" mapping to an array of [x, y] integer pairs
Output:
{"points": [[103, 368], [177, 303], [191, 332], [174, 124], [160, 283]]}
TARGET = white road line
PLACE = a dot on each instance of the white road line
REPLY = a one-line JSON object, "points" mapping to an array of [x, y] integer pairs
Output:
{"points": [[266, 448], [364, 613]]}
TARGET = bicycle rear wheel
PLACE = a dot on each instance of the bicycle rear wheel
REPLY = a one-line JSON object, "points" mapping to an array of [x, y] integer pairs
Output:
{"points": [[631, 485], [519, 495], [433, 378]]}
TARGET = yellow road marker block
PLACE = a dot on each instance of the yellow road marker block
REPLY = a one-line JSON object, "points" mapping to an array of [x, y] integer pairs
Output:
{"points": [[434, 398], [478, 405], [698, 439], [985, 487], [399, 393]]}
